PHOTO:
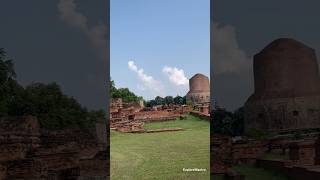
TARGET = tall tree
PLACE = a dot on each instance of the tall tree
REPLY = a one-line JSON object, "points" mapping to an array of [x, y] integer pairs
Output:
{"points": [[178, 100], [159, 100], [124, 93], [7, 78], [47, 102], [168, 100]]}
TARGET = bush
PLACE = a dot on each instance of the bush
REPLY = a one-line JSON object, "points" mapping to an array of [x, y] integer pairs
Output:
{"points": [[257, 134]]}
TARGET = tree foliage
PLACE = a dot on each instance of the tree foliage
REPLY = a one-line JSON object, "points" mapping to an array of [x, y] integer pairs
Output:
{"points": [[166, 100], [228, 123], [178, 100], [124, 93], [47, 102]]}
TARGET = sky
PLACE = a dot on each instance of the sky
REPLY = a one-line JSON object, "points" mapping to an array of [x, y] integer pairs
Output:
{"points": [[58, 40], [157, 46], [243, 28]]}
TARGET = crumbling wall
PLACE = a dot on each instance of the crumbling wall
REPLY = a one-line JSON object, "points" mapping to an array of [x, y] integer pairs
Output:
{"points": [[26, 152]]}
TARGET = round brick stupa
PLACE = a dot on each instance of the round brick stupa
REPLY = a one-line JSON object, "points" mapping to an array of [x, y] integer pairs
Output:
{"points": [[285, 68], [199, 89], [286, 88]]}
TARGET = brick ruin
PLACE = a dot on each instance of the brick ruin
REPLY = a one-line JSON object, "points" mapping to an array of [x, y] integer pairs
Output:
{"points": [[220, 149], [28, 152], [130, 117], [303, 161], [226, 153], [302, 156]]}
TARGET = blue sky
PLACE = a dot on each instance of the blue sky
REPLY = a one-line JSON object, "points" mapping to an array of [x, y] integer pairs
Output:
{"points": [[166, 41]]}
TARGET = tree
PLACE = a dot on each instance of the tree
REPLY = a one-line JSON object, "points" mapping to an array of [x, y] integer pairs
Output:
{"points": [[228, 123], [168, 100], [47, 102], [6, 67], [238, 122], [124, 93], [178, 100], [151, 103], [222, 122], [159, 100], [113, 89], [184, 99], [7, 77]]}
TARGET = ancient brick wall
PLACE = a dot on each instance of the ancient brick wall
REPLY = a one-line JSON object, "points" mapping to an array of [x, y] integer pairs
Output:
{"points": [[247, 151], [150, 116], [26, 152], [283, 114], [220, 148], [302, 153]]}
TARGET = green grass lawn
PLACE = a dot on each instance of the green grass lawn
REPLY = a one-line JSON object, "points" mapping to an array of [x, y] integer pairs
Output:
{"points": [[162, 155]]}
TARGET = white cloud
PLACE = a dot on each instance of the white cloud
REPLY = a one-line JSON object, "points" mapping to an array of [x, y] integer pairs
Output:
{"points": [[228, 57], [67, 9], [156, 87], [96, 34], [176, 76]]}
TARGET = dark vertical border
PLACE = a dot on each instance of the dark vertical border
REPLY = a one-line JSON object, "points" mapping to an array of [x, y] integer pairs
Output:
{"points": [[108, 83], [212, 81]]}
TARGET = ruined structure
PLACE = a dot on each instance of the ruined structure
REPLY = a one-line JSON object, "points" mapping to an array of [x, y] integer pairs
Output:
{"points": [[131, 116], [302, 162], [220, 147], [28, 152], [199, 92], [286, 88]]}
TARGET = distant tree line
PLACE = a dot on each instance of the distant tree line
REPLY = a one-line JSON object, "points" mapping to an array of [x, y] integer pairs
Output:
{"points": [[166, 100], [47, 102]]}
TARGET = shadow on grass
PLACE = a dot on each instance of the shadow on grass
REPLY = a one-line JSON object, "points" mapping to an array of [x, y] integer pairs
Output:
{"points": [[253, 173]]}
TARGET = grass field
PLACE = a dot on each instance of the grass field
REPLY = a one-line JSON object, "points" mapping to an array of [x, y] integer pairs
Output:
{"points": [[162, 155]]}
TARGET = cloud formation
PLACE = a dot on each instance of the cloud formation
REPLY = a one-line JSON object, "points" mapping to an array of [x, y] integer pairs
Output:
{"points": [[156, 87], [96, 34], [228, 57], [176, 76]]}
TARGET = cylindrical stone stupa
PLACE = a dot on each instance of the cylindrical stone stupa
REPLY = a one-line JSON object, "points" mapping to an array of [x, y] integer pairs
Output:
{"points": [[199, 89], [285, 68], [286, 88]]}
